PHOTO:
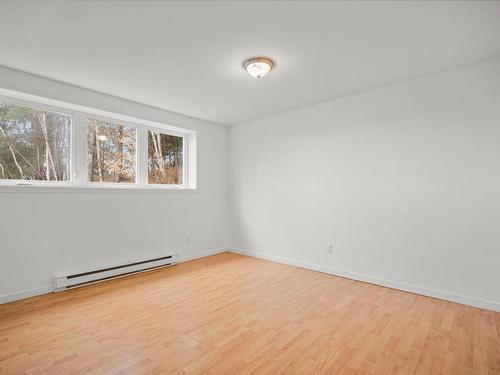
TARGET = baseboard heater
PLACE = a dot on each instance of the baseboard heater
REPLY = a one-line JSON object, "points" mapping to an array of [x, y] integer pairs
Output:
{"points": [[95, 276]]}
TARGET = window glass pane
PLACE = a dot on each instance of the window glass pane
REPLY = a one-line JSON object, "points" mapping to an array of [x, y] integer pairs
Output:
{"points": [[111, 152], [34, 144], [165, 158]]}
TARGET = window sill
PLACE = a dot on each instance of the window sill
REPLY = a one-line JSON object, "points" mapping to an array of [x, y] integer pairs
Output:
{"points": [[93, 189]]}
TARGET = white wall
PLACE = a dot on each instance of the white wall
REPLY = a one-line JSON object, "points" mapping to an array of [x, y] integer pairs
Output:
{"points": [[45, 232], [404, 179]]}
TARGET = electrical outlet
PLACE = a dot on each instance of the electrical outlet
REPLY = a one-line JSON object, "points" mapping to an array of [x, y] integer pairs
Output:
{"points": [[330, 249]]}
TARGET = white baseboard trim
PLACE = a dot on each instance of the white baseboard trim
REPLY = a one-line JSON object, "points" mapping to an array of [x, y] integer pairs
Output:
{"points": [[22, 294], [27, 293], [200, 254], [465, 300]]}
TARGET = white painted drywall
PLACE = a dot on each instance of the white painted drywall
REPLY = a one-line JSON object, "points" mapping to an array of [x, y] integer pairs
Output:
{"points": [[405, 180], [187, 57], [45, 232]]}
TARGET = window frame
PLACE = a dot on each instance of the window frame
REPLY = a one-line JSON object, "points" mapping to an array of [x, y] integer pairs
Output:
{"points": [[86, 118], [185, 156], [47, 108], [78, 154]]}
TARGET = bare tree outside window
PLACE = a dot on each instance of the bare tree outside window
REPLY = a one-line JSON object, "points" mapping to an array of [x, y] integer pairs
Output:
{"points": [[165, 158], [35, 144], [111, 155]]}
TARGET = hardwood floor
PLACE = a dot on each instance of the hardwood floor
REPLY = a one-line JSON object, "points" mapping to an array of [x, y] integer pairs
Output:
{"points": [[229, 314]]}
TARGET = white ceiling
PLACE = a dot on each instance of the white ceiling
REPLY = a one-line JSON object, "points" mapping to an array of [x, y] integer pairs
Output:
{"points": [[186, 56]]}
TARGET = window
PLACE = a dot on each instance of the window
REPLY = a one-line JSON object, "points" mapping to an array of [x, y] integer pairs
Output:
{"points": [[110, 152], [165, 158], [35, 144], [49, 143]]}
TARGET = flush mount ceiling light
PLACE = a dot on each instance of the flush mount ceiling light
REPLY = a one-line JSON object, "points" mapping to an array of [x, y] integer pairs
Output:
{"points": [[258, 66]]}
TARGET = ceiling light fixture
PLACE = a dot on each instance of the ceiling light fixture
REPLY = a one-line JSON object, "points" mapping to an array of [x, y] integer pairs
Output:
{"points": [[258, 66]]}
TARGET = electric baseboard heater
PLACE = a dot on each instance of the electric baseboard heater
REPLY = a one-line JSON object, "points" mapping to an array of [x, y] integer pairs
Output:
{"points": [[95, 276]]}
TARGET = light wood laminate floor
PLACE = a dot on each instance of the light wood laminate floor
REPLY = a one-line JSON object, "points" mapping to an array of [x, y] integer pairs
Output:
{"points": [[229, 314]]}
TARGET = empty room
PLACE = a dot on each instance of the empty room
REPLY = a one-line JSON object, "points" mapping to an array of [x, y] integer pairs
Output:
{"points": [[249, 187]]}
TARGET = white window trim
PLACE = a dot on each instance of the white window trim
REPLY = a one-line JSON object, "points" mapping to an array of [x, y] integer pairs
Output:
{"points": [[78, 167]]}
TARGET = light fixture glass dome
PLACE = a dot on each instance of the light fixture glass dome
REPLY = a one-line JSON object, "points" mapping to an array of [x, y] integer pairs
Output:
{"points": [[258, 67]]}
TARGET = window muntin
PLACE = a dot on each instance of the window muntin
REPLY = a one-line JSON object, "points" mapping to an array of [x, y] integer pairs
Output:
{"points": [[111, 152], [35, 144], [165, 158]]}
